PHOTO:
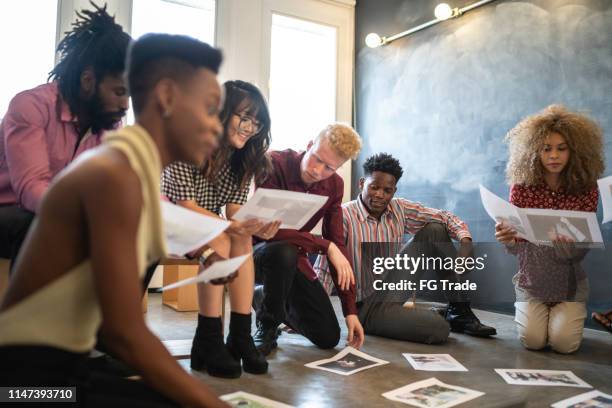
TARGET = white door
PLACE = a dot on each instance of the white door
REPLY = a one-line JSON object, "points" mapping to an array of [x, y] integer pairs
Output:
{"points": [[307, 55]]}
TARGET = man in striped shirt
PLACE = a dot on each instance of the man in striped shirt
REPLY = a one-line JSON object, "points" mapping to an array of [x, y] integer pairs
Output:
{"points": [[376, 217]]}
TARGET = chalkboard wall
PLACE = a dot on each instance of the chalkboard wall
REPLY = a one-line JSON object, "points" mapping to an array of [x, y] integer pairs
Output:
{"points": [[442, 100]]}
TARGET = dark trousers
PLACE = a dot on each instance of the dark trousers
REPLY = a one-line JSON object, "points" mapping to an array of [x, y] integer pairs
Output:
{"points": [[14, 225], [291, 298], [52, 367], [382, 313]]}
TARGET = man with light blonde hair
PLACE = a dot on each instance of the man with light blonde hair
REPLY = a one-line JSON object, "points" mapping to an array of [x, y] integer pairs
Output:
{"points": [[290, 292]]}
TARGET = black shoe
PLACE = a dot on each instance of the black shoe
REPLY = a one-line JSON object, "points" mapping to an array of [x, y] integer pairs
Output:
{"points": [[463, 320], [241, 345], [265, 338], [208, 351]]}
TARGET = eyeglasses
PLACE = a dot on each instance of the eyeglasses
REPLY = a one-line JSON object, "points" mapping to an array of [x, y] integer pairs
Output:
{"points": [[248, 124]]}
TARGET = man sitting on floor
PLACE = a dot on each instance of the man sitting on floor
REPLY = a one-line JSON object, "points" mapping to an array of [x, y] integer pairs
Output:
{"points": [[376, 216], [291, 293], [47, 127]]}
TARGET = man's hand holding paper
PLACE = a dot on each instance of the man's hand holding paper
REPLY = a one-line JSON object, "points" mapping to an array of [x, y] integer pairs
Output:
{"points": [[292, 208]]}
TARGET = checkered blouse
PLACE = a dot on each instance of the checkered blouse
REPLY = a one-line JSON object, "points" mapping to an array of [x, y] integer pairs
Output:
{"points": [[182, 181]]}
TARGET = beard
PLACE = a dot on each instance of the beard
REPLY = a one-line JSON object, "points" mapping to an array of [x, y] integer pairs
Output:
{"points": [[101, 119]]}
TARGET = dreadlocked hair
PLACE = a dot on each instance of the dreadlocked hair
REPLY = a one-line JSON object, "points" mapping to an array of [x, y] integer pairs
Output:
{"points": [[95, 41]]}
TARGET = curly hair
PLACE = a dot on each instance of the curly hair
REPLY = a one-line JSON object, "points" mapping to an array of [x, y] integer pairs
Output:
{"points": [[250, 161], [583, 136], [383, 162], [343, 139]]}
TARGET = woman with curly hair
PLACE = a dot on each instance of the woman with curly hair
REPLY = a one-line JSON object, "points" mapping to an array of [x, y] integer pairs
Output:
{"points": [[556, 157], [223, 182]]}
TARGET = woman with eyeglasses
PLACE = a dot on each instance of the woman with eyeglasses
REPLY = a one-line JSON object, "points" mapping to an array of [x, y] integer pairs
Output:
{"points": [[223, 183]]}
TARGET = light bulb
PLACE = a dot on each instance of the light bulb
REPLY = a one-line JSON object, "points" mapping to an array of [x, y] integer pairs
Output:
{"points": [[443, 11], [373, 40]]}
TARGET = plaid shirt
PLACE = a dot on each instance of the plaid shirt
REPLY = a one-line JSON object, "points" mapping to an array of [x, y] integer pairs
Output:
{"points": [[181, 182], [401, 217]]}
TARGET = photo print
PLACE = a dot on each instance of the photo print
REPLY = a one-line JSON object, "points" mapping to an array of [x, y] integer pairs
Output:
{"points": [[593, 399], [432, 393], [243, 399], [434, 362], [541, 377], [347, 362], [546, 227]]}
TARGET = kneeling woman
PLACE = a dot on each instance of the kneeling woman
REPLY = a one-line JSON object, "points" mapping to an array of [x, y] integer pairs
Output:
{"points": [[556, 157], [224, 182]]}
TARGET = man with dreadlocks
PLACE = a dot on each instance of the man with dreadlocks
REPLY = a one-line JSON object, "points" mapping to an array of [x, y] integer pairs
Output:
{"points": [[45, 128], [98, 229]]}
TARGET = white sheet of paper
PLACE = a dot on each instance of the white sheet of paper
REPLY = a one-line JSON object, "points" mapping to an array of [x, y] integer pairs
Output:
{"points": [[188, 230], [245, 399], [432, 393], [218, 270], [434, 362], [554, 378], [581, 226], [294, 209], [501, 210], [347, 362], [605, 191], [535, 224], [588, 399]]}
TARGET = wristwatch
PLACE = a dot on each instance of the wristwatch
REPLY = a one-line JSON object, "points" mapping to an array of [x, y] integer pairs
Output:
{"points": [[205, 255]]}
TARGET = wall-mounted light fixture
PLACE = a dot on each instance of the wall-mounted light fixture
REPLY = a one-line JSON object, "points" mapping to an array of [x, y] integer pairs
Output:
{"points": [[442, 12]]}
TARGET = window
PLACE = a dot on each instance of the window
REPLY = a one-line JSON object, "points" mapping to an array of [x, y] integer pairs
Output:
{"points": [[195, 18], [302, 80], [28, 25]]}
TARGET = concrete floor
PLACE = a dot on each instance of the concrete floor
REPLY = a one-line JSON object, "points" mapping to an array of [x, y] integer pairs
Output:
{"points": [[290, 382]]}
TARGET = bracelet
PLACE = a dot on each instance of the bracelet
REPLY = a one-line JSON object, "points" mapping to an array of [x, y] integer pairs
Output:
{"points": [[205, 255]]}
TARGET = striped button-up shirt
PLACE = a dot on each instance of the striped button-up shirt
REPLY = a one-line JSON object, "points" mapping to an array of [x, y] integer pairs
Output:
{"points": [[401, 217]]}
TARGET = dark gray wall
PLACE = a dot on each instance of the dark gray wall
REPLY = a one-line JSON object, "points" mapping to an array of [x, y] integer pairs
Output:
{"points": [[441, 101]]}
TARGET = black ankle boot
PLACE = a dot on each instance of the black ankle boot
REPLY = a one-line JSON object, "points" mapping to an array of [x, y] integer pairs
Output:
{"points": [[208, 352], [240, 344], [462, 320]]}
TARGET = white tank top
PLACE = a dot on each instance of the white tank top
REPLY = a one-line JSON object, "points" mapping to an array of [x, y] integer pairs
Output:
{"points": [[65, 313]]}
